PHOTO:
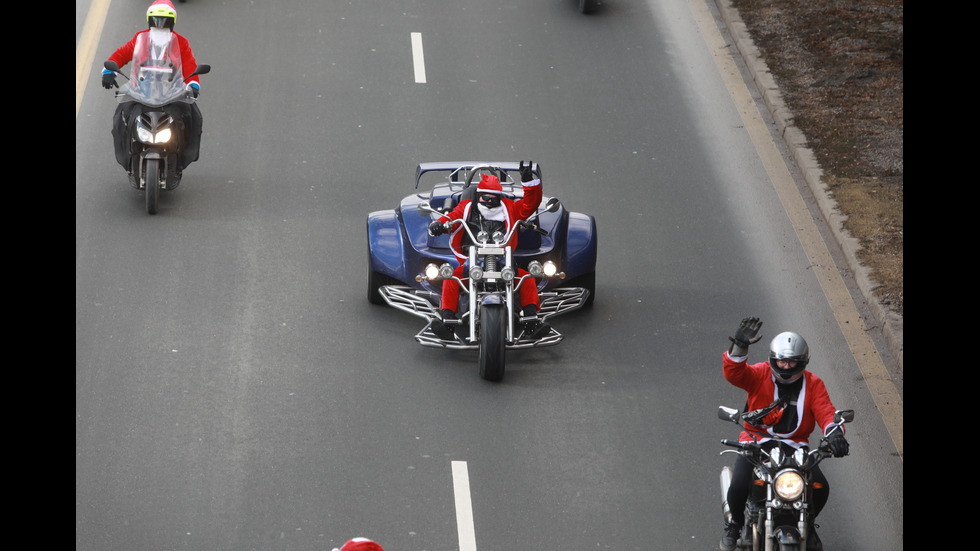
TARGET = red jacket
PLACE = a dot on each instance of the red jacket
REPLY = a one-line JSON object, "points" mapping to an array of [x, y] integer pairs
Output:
{"points": [[813, 407], [515, 212], [188, 63]]}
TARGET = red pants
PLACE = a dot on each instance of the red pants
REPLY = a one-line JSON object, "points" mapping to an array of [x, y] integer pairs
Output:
{"points": [[450, 291]]}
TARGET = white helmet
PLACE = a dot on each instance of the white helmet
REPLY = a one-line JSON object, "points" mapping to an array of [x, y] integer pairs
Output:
{"points": [[788, 346]]}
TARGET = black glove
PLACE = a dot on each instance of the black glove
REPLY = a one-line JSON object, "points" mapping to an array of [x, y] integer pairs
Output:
{"points": [[436, 228], [838, 444], [747, 333], [109, 81], [526, 174]]}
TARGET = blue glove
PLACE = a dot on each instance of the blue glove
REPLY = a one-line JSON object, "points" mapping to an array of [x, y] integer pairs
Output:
{"points": [[108, 79]]}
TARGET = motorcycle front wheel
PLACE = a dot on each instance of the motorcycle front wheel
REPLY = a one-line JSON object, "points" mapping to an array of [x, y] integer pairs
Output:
{"points": [[152, 179], [493, 331]]}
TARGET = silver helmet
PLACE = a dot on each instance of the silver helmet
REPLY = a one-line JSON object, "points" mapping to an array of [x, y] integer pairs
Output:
{"points": [[788, 346]]}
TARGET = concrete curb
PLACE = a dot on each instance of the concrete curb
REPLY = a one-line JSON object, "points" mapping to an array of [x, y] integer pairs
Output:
{"points": [[890, 322]]}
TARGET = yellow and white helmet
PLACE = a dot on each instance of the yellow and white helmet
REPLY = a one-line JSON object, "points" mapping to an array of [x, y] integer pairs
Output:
{"points": [[161, 14]]}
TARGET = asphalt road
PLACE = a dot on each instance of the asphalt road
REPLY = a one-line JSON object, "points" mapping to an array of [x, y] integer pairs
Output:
{"points": [[234, 389]]}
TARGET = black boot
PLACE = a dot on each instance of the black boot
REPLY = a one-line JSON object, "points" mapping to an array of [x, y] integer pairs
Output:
{"points": [[729, 540], [813, 542], [443, 331], [533, 327]]}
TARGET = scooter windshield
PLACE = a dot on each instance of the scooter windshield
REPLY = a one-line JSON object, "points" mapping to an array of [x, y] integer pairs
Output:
{"points": [[157, 77]]}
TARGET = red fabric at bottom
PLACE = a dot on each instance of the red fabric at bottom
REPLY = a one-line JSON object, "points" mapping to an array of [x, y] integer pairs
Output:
{"points": [[451, 288]]}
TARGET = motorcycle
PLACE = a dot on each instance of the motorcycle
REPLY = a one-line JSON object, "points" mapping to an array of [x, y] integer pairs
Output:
{"points": [[154, 135], [777, 512], [490, 321]]}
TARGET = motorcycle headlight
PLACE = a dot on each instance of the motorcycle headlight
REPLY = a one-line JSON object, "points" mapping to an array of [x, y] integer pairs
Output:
{"points": [[145, 136], [550, 269], [535, 268], [507, 274], [498, 237], [476, 273], [431, 272], [445, 271], [789, 485], [162, 136]]}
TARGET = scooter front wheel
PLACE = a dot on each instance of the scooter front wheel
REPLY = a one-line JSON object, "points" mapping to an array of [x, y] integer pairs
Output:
{"points": [[152, 178]]}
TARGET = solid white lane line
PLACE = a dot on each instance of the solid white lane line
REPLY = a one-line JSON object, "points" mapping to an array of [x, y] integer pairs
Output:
{"points": [[418, 58], [464, 507]]}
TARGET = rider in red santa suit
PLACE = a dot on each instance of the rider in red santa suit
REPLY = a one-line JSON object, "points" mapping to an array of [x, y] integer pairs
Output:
{"points": [[491, 211], [360, 544], [784, 400], [161, 17]]}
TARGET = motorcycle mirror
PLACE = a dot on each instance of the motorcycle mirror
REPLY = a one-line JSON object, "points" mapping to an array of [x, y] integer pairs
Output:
{"points": [[114, 67], [843, 416], [552, 205], [728, 414], [201, 70]]}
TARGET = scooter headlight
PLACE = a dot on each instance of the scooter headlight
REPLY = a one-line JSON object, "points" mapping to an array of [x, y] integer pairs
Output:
{"points": [[789, 485], [146, 136], [163, 136]]}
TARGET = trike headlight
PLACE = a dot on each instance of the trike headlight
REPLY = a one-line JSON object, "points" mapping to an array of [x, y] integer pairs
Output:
{"points": [[535, 268], [550, 269]]}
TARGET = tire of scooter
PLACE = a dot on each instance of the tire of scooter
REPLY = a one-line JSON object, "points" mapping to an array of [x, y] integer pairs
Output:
{"points": [[152, 174]]}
